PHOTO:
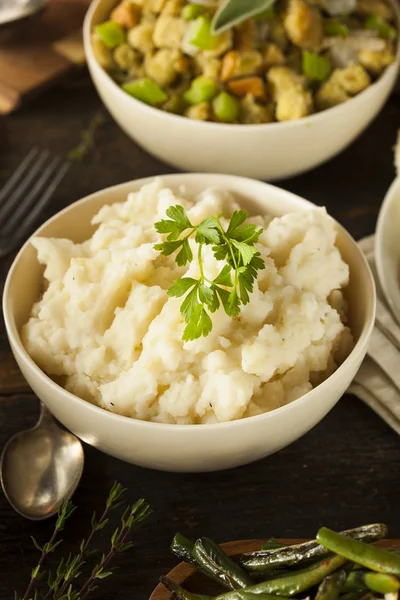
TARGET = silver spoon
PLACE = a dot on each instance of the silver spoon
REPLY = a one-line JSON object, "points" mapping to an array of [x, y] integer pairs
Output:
{"points": [[40, 468], [13, 10]]}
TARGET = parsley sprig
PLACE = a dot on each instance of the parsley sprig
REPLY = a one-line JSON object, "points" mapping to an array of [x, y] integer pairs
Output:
{"points": [[235, 282]]}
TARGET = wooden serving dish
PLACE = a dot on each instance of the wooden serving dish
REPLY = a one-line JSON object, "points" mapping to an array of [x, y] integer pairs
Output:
{"points": [[190, 579]]}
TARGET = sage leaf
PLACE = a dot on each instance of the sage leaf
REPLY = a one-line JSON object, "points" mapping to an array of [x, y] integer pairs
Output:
{"points": [[233, 12]]}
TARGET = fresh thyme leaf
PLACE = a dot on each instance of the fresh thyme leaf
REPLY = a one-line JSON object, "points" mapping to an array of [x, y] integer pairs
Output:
{"points": [[87, 143], [181, 286], [61, 583]]}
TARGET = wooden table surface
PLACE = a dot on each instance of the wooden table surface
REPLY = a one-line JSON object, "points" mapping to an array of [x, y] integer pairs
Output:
{"points": [[345, 472]]}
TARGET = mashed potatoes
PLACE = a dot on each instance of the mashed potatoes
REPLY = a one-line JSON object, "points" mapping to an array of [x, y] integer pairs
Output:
{"points": [[106, 329]]}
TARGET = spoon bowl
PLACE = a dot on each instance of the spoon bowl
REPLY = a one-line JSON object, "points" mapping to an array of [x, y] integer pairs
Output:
{"points": [[40, 468], [387, 248]]}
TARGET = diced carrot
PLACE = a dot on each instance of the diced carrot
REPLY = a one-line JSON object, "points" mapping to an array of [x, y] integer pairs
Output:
{"points": [[125, 14], [228, 65], [247, 85]]}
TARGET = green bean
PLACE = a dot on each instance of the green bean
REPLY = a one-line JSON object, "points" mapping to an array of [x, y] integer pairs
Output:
{"points": [[299, 553], [294, 583], [182, 547], [243, 595], [376, 559], [331, 586], [179, 593], [272, 544], [382, 583], [217, 565], [356, 595]]}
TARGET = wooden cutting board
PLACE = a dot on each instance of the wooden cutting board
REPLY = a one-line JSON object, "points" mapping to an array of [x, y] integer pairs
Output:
{"points": [[190, 579], [40, 50]]}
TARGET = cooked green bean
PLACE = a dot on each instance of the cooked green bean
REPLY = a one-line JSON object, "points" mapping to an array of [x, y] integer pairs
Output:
{"points": [[382, 583], [376, 559], [179, 593], [272, 544], [217, 565], [294, 583], [182, 547], [299, 553], [244, 595], [331, 586], [356, 595]]}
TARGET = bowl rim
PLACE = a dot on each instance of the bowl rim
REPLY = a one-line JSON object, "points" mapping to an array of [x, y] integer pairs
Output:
{"points": [[19, 349], [303, 121], [386, 208]]}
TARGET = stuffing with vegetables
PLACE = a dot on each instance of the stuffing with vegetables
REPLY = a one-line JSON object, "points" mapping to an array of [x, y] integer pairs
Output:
{"points": [[232, 62], [334, 566]]}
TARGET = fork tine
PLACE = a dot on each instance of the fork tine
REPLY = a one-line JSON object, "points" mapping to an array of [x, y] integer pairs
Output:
{"points": [[9, 203], [16, 176], [17, 218], [46, 197]]}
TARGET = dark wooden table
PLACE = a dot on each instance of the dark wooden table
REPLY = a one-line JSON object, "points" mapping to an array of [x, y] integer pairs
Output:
{"points": [[344, 472]]}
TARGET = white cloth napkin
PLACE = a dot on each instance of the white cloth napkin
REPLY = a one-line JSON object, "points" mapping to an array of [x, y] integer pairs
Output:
{"points": [[377, 382]]}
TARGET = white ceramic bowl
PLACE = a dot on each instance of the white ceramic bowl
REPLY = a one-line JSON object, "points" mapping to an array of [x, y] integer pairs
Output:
{"points": [[270, 151], [387, 247], [185, 447]]}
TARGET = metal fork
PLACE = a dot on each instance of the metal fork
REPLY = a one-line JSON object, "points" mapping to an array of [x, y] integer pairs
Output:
{"points": [[26, 194]]}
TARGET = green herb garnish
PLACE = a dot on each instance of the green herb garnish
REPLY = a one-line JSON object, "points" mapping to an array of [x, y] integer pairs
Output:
{"points": [[66, 583], [233, 12], [234, 283], [87, 142]]}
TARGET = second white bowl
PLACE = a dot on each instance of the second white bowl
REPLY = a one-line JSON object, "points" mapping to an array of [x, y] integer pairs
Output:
{"points": [[270, 151]]}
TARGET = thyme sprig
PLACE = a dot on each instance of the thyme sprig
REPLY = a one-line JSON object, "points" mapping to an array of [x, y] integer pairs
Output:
{"points": [[64, 583]]}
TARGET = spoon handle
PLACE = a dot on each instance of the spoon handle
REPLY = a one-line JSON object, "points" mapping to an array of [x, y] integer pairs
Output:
{"points": [[45, 416]]}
